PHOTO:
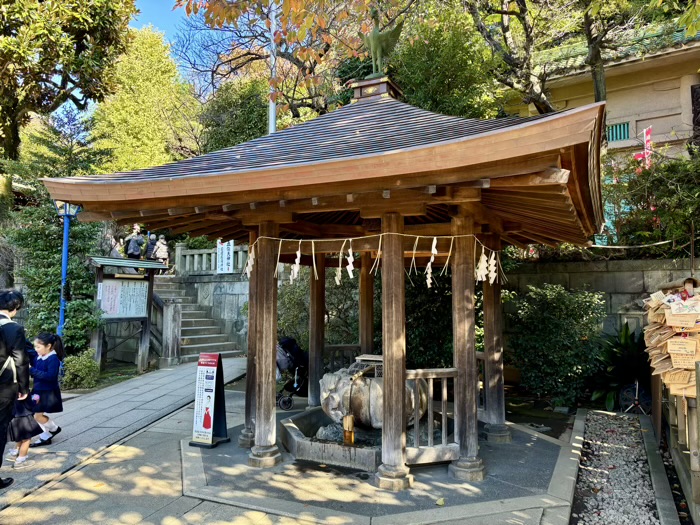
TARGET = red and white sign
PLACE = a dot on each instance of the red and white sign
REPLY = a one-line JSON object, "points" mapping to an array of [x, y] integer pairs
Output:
{"points": [[205, 394], [646, 154]]}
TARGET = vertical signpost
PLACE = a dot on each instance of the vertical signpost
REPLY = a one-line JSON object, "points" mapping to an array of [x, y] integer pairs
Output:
{"points": [[209, 428], [224, 257]]}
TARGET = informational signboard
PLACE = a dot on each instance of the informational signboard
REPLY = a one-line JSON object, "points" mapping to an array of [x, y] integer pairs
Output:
{"points": [[224, 257], [209, 428], [123, 298]]}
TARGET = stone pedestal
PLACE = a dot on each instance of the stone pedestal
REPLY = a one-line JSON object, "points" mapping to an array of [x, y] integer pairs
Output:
{"points": [[394, 479], [495, 433], [247, 438], [467, 469], [264, 457]]}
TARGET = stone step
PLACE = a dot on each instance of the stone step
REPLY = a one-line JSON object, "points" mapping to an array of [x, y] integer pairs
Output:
{"points": [[197, 322], [194, 314], [207, 347], [165, 285], [187, 331], [203, 339], [170, 292], [190, 358], [194, 307]]}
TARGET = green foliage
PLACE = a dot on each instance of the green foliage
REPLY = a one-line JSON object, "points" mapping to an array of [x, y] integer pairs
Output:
{"points": [[59, 147], [555, 340], [6, 199], [342, 322], [442, 65], [148, 119], [54, 52], [199, 243], [82, 371], [236, 113], [621, 362]]}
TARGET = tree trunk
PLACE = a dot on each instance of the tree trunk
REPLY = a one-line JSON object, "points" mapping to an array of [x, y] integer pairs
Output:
{"points": [[11, 139], [598, 74]]}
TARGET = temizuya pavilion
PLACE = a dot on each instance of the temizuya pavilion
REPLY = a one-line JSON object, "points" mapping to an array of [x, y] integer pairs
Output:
{"points": [[376, 166]]}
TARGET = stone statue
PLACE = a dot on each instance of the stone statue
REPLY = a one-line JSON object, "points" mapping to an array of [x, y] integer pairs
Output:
{"points": [[380, 44], [344, 394]]}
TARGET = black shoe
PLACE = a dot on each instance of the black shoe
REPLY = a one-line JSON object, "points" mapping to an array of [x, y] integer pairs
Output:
{"points": [[54, 433], [6, 482], [40, 443]]}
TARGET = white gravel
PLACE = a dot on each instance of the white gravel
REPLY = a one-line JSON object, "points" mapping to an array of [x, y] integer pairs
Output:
{"points": [[614, 484]]}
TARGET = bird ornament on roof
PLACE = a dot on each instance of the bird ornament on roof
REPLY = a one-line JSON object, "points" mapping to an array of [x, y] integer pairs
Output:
{"points": [[380, 44]]}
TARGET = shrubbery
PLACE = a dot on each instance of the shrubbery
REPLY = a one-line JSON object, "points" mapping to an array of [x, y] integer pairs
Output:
{"points": [[556, 340], [81, 371]]}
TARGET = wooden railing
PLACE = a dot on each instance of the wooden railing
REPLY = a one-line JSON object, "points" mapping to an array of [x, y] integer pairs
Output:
{"points": [[203, 262], [336, 357], [166, 316], [430, 452]]}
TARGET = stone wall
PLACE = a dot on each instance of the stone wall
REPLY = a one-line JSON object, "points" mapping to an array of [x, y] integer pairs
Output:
{"points": [[625, 283], [226, 294]]}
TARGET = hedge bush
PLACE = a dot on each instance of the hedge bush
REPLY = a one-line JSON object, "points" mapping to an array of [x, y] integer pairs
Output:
{"points": [[81, 371], [556, 340]]}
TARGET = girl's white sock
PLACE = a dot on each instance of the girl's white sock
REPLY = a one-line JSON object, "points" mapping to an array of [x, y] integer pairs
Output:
{"points": [[13, 452], [21, 459], [50, 425], [43, 427], [45, 435]]}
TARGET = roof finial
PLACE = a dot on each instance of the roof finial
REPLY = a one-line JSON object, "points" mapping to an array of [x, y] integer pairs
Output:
{"points": [[380, 44]]}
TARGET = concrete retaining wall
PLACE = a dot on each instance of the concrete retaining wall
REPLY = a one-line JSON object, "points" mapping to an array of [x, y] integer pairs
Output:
{"points": [[625, 283]]}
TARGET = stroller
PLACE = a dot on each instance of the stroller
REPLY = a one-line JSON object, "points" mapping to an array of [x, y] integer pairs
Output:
{"points": [[291, 361]]}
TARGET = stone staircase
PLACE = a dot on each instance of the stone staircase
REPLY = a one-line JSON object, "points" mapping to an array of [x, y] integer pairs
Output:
{"points": [[199, 332]]}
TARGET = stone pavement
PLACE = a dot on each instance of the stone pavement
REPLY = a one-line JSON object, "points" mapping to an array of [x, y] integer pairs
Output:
{"points": [[90, 423], [141, 480]]}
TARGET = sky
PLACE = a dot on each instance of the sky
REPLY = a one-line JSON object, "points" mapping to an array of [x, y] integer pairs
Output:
{"points": [[160, 14]]}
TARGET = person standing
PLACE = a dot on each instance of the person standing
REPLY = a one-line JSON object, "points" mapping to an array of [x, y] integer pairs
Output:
{"points": [[135, 241], [151, 247], [14, 369], [161, 251], [47, 392]]}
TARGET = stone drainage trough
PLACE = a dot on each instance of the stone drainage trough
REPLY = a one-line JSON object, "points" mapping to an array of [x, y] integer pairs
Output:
{"points": [[295, 434]]}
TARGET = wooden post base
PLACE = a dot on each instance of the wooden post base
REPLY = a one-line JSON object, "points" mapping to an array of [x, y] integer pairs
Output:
{"points": [[264, 457], [467, 469], [498, 434], [392, 478], [246, 438]]}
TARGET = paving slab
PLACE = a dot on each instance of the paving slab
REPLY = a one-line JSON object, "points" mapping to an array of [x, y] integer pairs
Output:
{"points": [[92, 422]]}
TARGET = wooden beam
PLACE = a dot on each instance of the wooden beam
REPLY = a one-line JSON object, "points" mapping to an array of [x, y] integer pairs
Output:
{"points": [[366, 320], [323, 230], [393, 474], [317, 316], [247, 437], [511, 166], [545, 177], [265, 452], [495, 406], [469, 466]]}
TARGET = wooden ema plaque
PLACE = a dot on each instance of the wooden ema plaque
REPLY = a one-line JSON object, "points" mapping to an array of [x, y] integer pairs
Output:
{"points": [[681, 320], [683, 352], [209, 428]]}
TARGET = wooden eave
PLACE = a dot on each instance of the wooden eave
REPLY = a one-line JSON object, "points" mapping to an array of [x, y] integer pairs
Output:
{"points": [[535, 180]]}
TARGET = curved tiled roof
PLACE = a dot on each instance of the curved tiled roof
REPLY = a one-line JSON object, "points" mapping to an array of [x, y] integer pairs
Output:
{"points": [[344, 133]]}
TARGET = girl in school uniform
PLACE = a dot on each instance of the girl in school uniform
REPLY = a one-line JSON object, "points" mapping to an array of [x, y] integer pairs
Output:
{"points": [[46, 392], [21, 430]]}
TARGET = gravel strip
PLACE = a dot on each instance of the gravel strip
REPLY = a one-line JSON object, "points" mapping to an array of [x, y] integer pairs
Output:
{"points": [[614, 485]]}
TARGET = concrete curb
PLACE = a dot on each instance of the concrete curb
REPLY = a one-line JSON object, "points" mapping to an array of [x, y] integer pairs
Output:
{"points": [[668, 515]]}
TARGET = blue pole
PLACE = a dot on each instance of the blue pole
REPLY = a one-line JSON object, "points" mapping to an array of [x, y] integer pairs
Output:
{"points": [[64, 275]]}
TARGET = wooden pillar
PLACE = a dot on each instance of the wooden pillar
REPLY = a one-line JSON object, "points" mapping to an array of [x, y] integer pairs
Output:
{"points": [[366, 304], [393, 474], [317, 319], [495, 413], [656, 406], [171, 331], [265, 452], [96, 336], [681, 421], [247, 437], [469, 466], [145, 339]]}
